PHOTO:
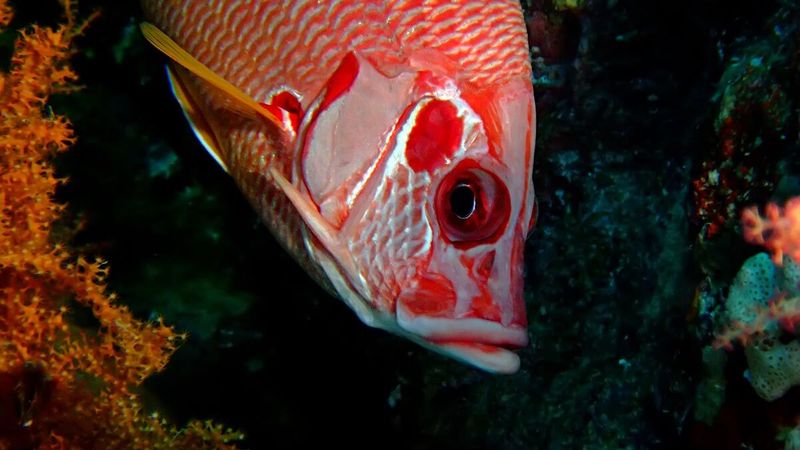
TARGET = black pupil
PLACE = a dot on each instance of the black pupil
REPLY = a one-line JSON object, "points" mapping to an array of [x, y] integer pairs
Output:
{"points": [[462, 201]]}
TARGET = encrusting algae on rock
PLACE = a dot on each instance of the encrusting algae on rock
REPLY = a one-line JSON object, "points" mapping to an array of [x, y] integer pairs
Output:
{"points": [[63, 385]]}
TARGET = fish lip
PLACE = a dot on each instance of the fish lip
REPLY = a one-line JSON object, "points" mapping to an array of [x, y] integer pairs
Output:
{"points": [[494, 359], [464, 330]]}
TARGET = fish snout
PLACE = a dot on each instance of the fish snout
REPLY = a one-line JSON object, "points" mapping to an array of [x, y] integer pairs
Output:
{"points": [[429, 312], [468, 329]]}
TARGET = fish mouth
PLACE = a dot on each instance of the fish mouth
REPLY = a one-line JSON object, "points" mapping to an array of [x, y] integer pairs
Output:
{"points": [[482, 343]]}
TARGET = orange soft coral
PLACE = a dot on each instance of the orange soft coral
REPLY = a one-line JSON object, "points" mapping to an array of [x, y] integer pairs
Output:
{"points": [[5, 13], [63, 386]]}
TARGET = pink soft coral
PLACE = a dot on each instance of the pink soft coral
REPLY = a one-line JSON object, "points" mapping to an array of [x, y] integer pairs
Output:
{"points": [[778, 230]]}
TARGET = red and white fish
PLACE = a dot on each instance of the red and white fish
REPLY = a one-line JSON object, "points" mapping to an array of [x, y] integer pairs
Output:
{"points": [[388, 145]]}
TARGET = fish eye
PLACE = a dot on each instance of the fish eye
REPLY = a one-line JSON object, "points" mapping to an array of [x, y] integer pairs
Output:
{"points": [[462, 200], [472, 205]]}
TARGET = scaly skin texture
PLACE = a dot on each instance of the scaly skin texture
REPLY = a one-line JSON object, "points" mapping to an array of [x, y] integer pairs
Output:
{"points": [[261, 46], [382, 103]]}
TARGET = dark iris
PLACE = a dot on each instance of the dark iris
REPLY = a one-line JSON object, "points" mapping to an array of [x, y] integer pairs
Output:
{"points": [[462, 201]]}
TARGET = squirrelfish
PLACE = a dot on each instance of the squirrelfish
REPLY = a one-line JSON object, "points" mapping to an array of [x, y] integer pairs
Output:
{"points": [[388, 145]]}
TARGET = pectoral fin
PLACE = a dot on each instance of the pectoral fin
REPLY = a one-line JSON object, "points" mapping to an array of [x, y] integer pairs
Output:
{"points": [[318, 225], [235, 100], [202, 129]]}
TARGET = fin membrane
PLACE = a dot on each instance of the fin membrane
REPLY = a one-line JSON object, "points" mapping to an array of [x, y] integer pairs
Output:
{"points": [[236, 100], [200, 126]]}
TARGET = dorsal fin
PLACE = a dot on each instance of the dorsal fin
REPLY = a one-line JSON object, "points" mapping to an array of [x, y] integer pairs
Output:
{"points": [[237, 101]]}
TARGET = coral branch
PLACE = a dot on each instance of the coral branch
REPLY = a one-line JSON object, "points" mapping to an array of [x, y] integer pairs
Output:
{"points": [[5, 14], [63, 385]]}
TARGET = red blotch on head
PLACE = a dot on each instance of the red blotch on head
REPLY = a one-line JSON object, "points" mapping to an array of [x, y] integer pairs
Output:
{"points": [[290, 104], [435, 137], [484, 268], [341, 80], [482, 306], [286, 103], [434, 296]]}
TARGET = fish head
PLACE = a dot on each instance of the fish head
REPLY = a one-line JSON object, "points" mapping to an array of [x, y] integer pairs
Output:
{"points": [[413, 181], [423, 183]]}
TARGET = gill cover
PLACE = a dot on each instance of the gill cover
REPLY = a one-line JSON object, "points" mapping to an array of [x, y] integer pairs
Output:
{"points": [[345, 133], [342, 145]]}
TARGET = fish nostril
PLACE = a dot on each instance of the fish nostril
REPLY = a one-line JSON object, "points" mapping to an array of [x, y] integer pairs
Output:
{"points": [[484, 268]]}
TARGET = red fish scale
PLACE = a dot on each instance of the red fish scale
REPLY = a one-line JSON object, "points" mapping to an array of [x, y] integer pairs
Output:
{"points": [[264, 45], [249, 167], [486, 38], [259, 45], [382, 230]]}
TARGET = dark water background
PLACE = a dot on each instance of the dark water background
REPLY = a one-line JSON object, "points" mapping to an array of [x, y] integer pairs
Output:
{"points": [[630, 99]]}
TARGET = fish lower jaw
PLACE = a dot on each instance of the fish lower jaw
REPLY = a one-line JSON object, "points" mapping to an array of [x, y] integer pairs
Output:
{"points": [[490, 358], [482, 343], [476, 342]]}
